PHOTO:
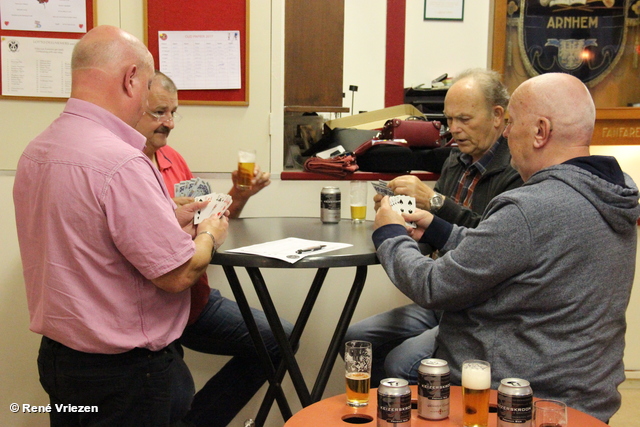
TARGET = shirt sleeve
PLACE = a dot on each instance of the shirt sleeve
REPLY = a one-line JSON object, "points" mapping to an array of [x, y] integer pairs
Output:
{"points": [[478, 262], [142, 221]]}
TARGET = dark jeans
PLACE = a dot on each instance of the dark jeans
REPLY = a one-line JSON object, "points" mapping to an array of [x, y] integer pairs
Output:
{"points": [[137, 388], [220, 329]]}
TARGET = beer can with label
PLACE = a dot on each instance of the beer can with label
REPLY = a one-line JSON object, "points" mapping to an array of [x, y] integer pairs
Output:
{"points": [[394, 403], [330, 207], [433, 389], [515, 403]]}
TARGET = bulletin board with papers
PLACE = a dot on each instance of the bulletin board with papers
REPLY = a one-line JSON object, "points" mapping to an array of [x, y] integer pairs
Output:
{"points": [[37, 39], [203, 46]]}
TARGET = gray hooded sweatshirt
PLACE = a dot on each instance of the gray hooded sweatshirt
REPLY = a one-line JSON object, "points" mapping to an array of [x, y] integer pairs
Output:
{"points": [[539, 289]]}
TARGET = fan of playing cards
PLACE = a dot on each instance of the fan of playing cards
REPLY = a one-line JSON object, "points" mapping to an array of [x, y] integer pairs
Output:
{"points": [[201, 191], [218, 204], [404, 204], [400, 204], [192, 188]]}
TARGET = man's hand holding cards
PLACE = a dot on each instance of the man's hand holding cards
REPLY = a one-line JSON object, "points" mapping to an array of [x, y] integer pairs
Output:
{"points": [[403, 205], [382, 188], [218, 204]]}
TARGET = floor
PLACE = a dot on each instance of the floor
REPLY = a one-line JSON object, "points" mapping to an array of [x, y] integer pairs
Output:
{"points": [[629, 413]]}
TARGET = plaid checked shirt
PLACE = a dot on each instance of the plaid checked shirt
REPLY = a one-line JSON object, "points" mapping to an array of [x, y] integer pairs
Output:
{"points": [[471, 176]]}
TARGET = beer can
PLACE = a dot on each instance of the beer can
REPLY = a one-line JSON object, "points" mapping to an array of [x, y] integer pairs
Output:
{"points": [[433, 389], [330, 207], [394, 403], [515, 403]]}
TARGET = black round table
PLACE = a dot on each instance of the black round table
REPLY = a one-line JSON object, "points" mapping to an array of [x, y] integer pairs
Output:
{"points": [[249, 231]]}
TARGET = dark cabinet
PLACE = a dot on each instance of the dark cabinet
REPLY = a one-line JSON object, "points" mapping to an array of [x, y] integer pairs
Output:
{"points": [[429, 101]]}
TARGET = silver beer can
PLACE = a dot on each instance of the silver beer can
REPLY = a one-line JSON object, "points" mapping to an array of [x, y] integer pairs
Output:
{"points": [[433, 389], [394, 403], [330, 207], [515, 403]]}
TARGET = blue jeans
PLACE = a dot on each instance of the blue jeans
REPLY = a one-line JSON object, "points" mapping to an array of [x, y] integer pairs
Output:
{"points": [[136, 388], [400, 339], [220, 329]]}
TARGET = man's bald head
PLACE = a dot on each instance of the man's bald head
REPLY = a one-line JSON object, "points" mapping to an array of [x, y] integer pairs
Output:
{"points": [[107, 48], [564, 100], [112, 69], [551, 120]]}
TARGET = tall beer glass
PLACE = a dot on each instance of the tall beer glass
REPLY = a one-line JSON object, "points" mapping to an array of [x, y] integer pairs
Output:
{"points": [[358, 201], [357, 358], [246, 166], [476, 383]]}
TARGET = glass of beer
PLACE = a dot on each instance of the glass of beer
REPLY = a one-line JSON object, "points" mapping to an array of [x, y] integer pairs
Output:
{"points": [[358, 201], [357, 358], [549, 413], [246, 167], [476, 383]]}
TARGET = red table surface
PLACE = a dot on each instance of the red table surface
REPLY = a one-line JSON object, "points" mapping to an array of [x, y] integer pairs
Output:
{"points": [[334, 410]]}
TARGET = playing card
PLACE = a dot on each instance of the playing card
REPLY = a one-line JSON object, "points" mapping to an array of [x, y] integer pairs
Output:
{"points": [[192, 188], [381, 188], [218, 204], [202, 187], [403, 204], [180, 188]]}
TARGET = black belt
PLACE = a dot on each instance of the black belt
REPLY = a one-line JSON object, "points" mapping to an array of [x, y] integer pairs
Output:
{"points": [[135, 353]]}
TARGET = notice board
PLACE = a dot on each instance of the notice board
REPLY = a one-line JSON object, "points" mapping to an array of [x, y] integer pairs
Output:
{"points": [[91, 12], [202, 15]]}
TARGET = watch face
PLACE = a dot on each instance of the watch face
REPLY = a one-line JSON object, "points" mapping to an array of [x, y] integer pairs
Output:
{"points": [[436, 201]]}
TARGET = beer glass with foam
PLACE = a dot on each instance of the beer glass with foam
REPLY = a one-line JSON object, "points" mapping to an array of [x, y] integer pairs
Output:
{"points": [[246, 166], [358, 201], [549, 413], [357, 358], [476, 384]]}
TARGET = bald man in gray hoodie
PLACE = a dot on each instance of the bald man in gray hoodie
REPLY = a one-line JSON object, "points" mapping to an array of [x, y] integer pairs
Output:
{"points": [[529, 289]]}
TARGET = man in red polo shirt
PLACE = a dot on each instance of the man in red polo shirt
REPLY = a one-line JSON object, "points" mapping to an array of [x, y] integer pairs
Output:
{"points": [[215, 323]]}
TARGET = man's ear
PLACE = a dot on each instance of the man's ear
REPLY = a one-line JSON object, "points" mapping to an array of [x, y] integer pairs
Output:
{"points": [[498, 115], [543, 132], [129, 79]]}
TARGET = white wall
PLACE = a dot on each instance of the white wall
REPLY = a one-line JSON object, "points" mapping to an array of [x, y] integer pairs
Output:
{"points": [[364, 54], [433, 48], [261, 121]]}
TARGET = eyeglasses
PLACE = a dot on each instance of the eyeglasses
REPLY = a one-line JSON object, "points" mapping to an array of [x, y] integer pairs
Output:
{"points": [[166, 117]]}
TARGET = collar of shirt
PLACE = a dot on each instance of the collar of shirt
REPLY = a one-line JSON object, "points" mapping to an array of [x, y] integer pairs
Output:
{"points": [[483, 162], [107, 119], [164, 162]]}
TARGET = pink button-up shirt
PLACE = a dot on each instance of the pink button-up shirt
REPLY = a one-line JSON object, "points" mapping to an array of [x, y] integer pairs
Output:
{"points": [[95, 224]]}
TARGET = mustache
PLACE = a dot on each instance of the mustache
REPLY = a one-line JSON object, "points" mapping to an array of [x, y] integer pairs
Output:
{"points": [[163, 129]]}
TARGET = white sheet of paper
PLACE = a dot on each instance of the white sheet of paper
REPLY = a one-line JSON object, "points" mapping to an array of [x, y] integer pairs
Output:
{"points": [[33, 66], [201, 59], [285, 249], [67, 16]]}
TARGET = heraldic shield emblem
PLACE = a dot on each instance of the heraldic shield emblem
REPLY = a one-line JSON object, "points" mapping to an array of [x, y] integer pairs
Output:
{"points": [[584, 38]]}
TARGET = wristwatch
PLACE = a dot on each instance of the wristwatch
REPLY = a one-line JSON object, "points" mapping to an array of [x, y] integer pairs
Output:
{"points": [[435, 202]]}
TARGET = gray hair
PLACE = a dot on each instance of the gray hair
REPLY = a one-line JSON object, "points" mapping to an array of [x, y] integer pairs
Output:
{"points": [[165, 81], [490, 82]]}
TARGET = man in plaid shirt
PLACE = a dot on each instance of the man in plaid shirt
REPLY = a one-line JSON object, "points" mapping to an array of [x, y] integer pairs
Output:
{"points": [[476, 171]]}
